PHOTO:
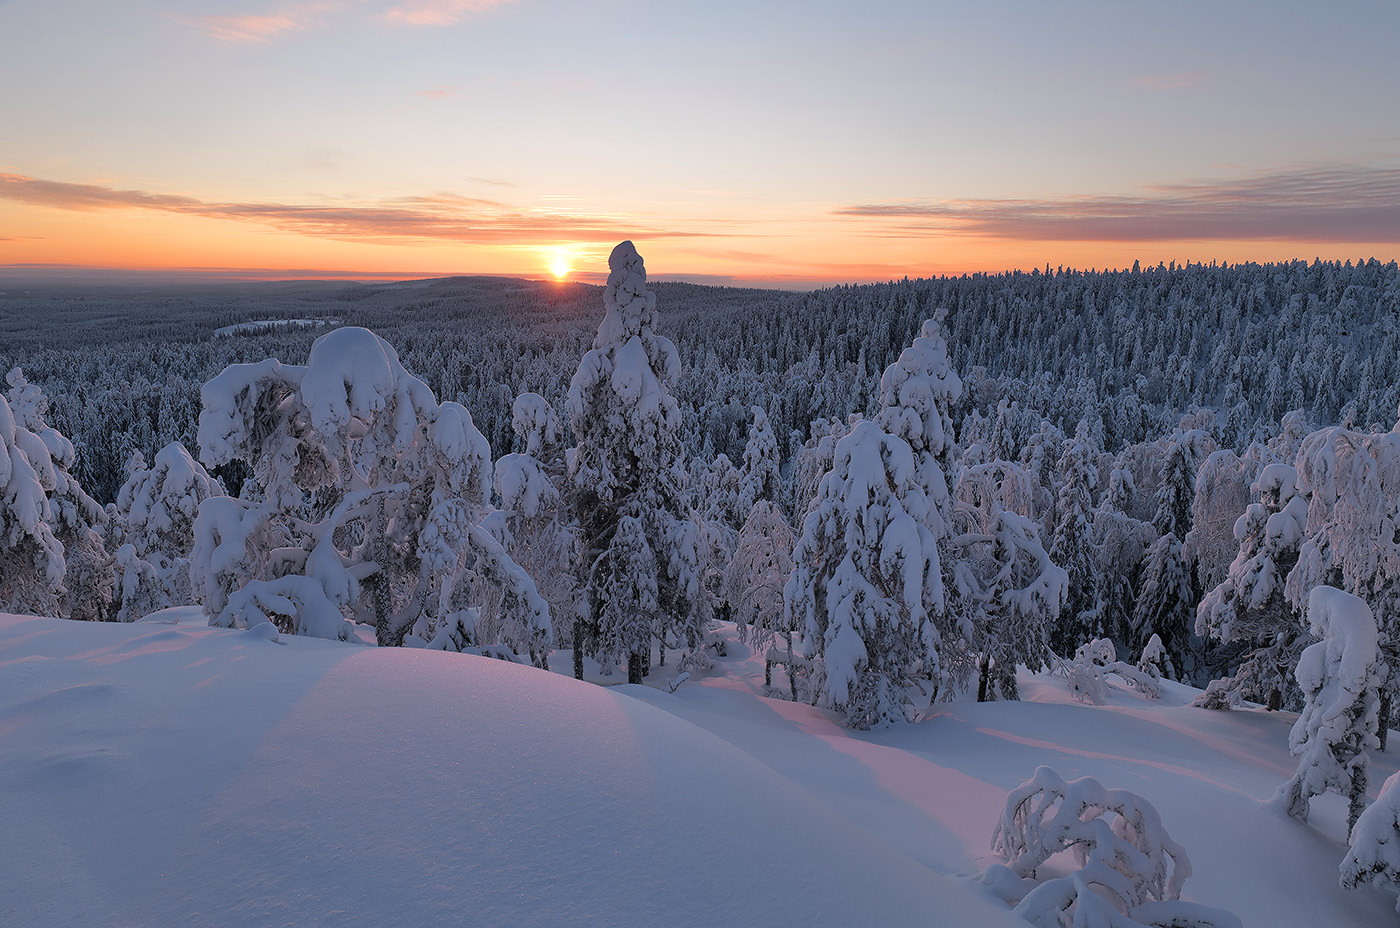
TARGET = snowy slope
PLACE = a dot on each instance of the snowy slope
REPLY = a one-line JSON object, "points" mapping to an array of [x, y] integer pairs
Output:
{"points": [[157, 774]]}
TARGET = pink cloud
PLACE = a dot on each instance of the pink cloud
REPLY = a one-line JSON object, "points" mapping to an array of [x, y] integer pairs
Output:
{"points": [[1333, 204], [246, 28], [444, 216], [437, 12]]}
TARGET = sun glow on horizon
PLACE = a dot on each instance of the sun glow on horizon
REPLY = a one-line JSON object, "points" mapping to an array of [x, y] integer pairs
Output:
{"points": [[559, 263]]}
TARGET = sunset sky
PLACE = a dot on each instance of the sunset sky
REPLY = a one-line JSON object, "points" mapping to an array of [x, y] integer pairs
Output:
{"points": [[781, 143]]}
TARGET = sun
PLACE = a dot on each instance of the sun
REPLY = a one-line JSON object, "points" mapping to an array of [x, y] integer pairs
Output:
{"points": [[559, 265]]}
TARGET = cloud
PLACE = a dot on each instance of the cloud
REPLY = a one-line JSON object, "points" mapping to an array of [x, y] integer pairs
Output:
{"points": [[438, 12], [246, 28], [300, 17], [401, 220], [1322, 204], [295, 17], [438, 92]]}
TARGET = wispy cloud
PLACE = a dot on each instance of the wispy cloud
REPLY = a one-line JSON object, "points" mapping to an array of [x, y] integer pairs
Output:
{"points": [[266, 26], [438, 92], [1323, 204], [438, 12], [289, 18], [400, 220]]}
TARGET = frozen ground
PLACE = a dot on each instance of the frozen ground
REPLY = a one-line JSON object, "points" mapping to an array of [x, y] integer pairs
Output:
{"points": [[163, 774]]}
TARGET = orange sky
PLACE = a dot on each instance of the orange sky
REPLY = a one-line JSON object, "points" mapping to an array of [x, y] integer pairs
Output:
{"points": [[350, 138]]}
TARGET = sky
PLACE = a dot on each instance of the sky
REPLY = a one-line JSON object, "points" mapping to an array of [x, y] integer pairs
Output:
{"points": [[789, 144]]}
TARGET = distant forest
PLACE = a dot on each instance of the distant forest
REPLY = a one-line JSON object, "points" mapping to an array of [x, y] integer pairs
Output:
{"points": [[1128, 352]]}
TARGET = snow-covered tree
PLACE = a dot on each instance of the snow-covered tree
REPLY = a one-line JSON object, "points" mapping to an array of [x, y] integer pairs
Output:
{"points": [[867, 581], [1185, 450], [154, 526], [1072, 545], [1165, 599], [1120, 546], [1374, 854], [1130, 872], [1223, 492], [755, 578], [1006, 592], [52, 557], [814, 460], [364, 501], [760, 478], [539, 537], [1352, 484], [31, 559], [628, 465], [1339, 676], [1249, 605]]}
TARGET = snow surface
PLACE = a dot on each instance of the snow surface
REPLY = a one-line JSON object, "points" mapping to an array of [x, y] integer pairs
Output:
{"points": [[165, 773]]}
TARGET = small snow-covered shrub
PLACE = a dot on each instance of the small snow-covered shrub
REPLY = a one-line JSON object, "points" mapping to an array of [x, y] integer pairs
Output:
{"points": [[1340, 681], [1154, 660], [1087, 674], [1374, 857], [1130, 870]]}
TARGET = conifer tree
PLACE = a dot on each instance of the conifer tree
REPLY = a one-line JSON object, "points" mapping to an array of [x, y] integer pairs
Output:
{"points": [[628, 465]]}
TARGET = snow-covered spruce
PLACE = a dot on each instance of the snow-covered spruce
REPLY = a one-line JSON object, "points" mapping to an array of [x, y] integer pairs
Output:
{"points": [[1352, 484], [1374, 855], [1339, 676], [1130, 870], [1005, 591], [52, 558], [1071, 544], [154, 528], [760, 476], [866, 576], [365, 501], [1249, 604], [629, 464]]}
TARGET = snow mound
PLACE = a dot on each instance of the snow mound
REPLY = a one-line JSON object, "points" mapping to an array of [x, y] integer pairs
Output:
{"points": [[171, 775]]}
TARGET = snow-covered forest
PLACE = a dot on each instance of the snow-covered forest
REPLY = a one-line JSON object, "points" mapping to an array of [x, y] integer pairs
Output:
{"points": [[897, 498]]}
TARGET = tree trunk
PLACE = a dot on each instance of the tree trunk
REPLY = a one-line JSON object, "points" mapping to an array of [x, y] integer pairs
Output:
{"points": [[634, 667], [1383, 723], [767, 673], [1357, 797], [984, 674], [578, 649]]}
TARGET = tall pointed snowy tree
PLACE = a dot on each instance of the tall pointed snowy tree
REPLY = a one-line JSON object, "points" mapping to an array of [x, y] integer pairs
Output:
{"points": [[629, 465], [1072, 545], [867, 579], [760, 476]]}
